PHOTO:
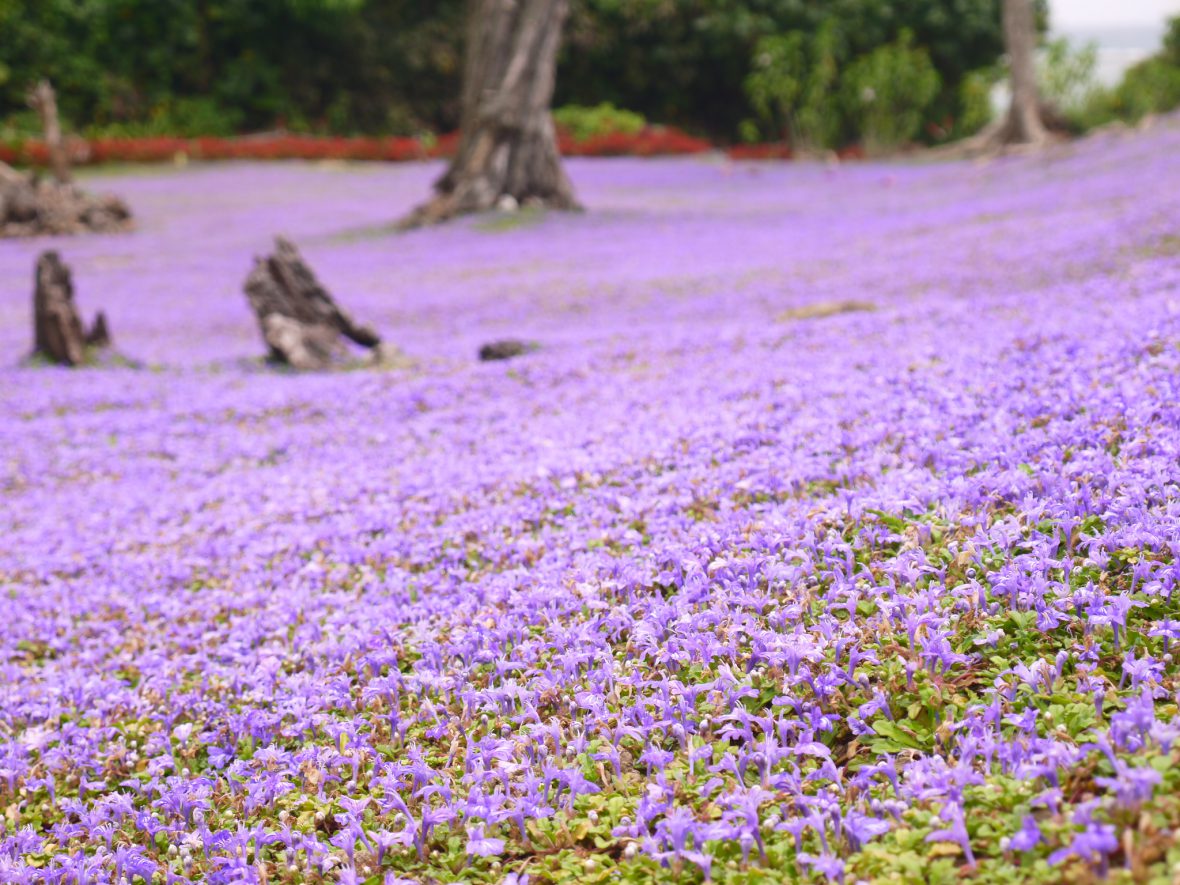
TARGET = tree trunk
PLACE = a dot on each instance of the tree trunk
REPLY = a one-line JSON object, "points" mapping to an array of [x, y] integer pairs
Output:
{"points": [[508, 145], [300, 322], [58, 333], [43, 100], [1024, 124]]}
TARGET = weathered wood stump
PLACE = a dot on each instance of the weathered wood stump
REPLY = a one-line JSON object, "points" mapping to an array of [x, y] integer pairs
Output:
{"points": [[505, 349], [58, 333], [300, 322], [30, 205]]}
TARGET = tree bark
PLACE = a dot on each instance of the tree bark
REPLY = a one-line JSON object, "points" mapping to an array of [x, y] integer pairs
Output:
{"points": [[1024, 124], [43, 100], [300, 322], [58, 334], [508, 145]]}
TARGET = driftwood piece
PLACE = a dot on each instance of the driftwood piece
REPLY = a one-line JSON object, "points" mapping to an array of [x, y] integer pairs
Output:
{"points": [[32, 206], [58, 333], [505, 349], [301, 324]]}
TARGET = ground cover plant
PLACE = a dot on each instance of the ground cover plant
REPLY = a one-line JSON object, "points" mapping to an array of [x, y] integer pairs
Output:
{"points": [[829, 534]]}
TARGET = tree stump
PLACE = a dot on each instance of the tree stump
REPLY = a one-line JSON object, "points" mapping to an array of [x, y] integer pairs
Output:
{"points": [[300, 322], [58, 333], [30, 206], [508, 144]]}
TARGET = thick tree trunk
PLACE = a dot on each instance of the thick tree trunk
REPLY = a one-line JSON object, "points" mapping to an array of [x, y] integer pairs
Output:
{"points": [[58, 333], [43, 100], [300, 322], [1024, 124], [508, 145]]}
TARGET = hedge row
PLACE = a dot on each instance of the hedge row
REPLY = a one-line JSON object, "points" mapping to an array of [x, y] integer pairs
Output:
{"points": [[651, 141]]}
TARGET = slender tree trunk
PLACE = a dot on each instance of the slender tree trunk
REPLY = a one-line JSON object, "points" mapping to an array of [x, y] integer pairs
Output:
{"points": [[1024, 124], [44, 101], [508, 146]]}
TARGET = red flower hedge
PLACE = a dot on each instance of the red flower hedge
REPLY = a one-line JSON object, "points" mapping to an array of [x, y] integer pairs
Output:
{"points": [[651, 142]]}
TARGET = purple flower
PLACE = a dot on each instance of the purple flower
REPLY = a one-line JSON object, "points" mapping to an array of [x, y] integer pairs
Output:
{"points": [[479, 845], [1028, 836]]}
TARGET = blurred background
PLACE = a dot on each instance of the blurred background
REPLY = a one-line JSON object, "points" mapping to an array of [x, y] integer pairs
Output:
{"points": [[1122, 34], [811, 74]]}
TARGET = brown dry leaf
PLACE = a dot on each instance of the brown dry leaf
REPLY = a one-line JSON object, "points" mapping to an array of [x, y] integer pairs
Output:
{"points": [[821, 309]]}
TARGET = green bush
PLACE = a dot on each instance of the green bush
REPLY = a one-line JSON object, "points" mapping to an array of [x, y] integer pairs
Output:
{"points": [[688, 62], [975, 101], [1066, 77], [794, 84], [183, 117], [887, 93], [1150, 87], [584, 123], [1171, 50]]}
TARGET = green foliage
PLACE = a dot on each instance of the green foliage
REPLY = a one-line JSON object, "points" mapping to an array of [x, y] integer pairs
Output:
{"points": [[888, 92], [800, 88], [393, 66], [688, 62], [975, 100], [1171, 50], [1150, 87], [793, 85], [1066, 76], [324, 65], [183, 117], [584, 123]]}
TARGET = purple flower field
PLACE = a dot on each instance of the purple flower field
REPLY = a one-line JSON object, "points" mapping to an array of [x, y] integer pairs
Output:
{"points": [[727, 581]]}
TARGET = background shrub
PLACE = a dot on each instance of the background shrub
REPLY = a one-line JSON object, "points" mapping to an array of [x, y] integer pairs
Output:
{"points": [[888, 91], [584, 123]]}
